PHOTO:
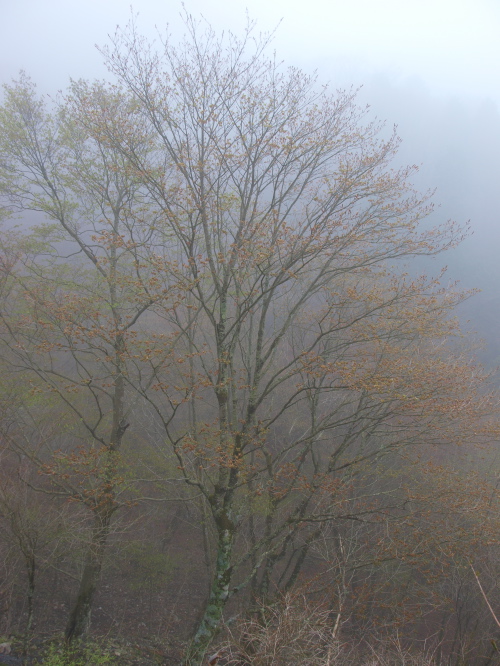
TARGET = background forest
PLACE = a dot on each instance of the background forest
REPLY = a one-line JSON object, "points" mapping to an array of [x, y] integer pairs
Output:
{"points": [[239, 418]]}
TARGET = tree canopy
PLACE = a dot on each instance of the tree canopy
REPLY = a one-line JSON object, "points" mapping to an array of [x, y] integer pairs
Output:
{"points": [[224, 255]]}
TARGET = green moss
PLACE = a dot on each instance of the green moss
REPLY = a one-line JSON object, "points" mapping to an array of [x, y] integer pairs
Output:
{"points": [[79, 655]]}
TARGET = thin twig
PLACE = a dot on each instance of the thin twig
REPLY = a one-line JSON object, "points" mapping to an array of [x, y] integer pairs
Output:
{"points": [[484, 595]]}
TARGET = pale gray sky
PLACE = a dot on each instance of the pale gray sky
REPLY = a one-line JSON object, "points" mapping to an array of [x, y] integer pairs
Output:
{"points": [[450, 45], [432, 66]]}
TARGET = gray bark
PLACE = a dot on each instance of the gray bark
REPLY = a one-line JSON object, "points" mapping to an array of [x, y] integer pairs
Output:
{"points": [[79, 620], [219, 593]]}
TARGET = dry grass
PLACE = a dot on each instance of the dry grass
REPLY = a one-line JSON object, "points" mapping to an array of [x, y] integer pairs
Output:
{"points": [[296, 632]]}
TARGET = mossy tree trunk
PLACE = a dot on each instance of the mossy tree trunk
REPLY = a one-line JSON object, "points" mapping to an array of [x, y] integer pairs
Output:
{"points": [[219, 593]]}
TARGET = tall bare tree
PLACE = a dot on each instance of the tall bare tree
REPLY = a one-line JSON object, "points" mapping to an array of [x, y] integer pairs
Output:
{"points": [[242, 236], [78, 286], [301, 352]]}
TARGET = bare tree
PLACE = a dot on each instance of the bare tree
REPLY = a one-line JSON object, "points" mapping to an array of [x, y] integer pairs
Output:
{"points": [[245, 235], [77, 286], [300, 353]]}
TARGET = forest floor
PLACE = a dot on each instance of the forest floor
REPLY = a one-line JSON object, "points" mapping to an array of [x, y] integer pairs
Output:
{"points": [[113, 652]]}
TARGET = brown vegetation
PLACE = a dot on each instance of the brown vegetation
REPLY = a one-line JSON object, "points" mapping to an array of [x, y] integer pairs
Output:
{"points": [[225, 393]]}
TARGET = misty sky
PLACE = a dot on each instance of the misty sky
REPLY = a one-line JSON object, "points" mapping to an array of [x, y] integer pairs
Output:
{"points": [[450, 45], [431, 66]]}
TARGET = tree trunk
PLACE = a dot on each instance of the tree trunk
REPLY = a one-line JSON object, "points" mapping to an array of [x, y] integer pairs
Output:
{"points": [[31, 570], [79, 620], [219, 594], [30, 593]]}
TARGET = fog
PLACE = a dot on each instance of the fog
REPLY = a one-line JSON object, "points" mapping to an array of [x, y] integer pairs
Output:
{"points": [[430, 68], [218, 398]]}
